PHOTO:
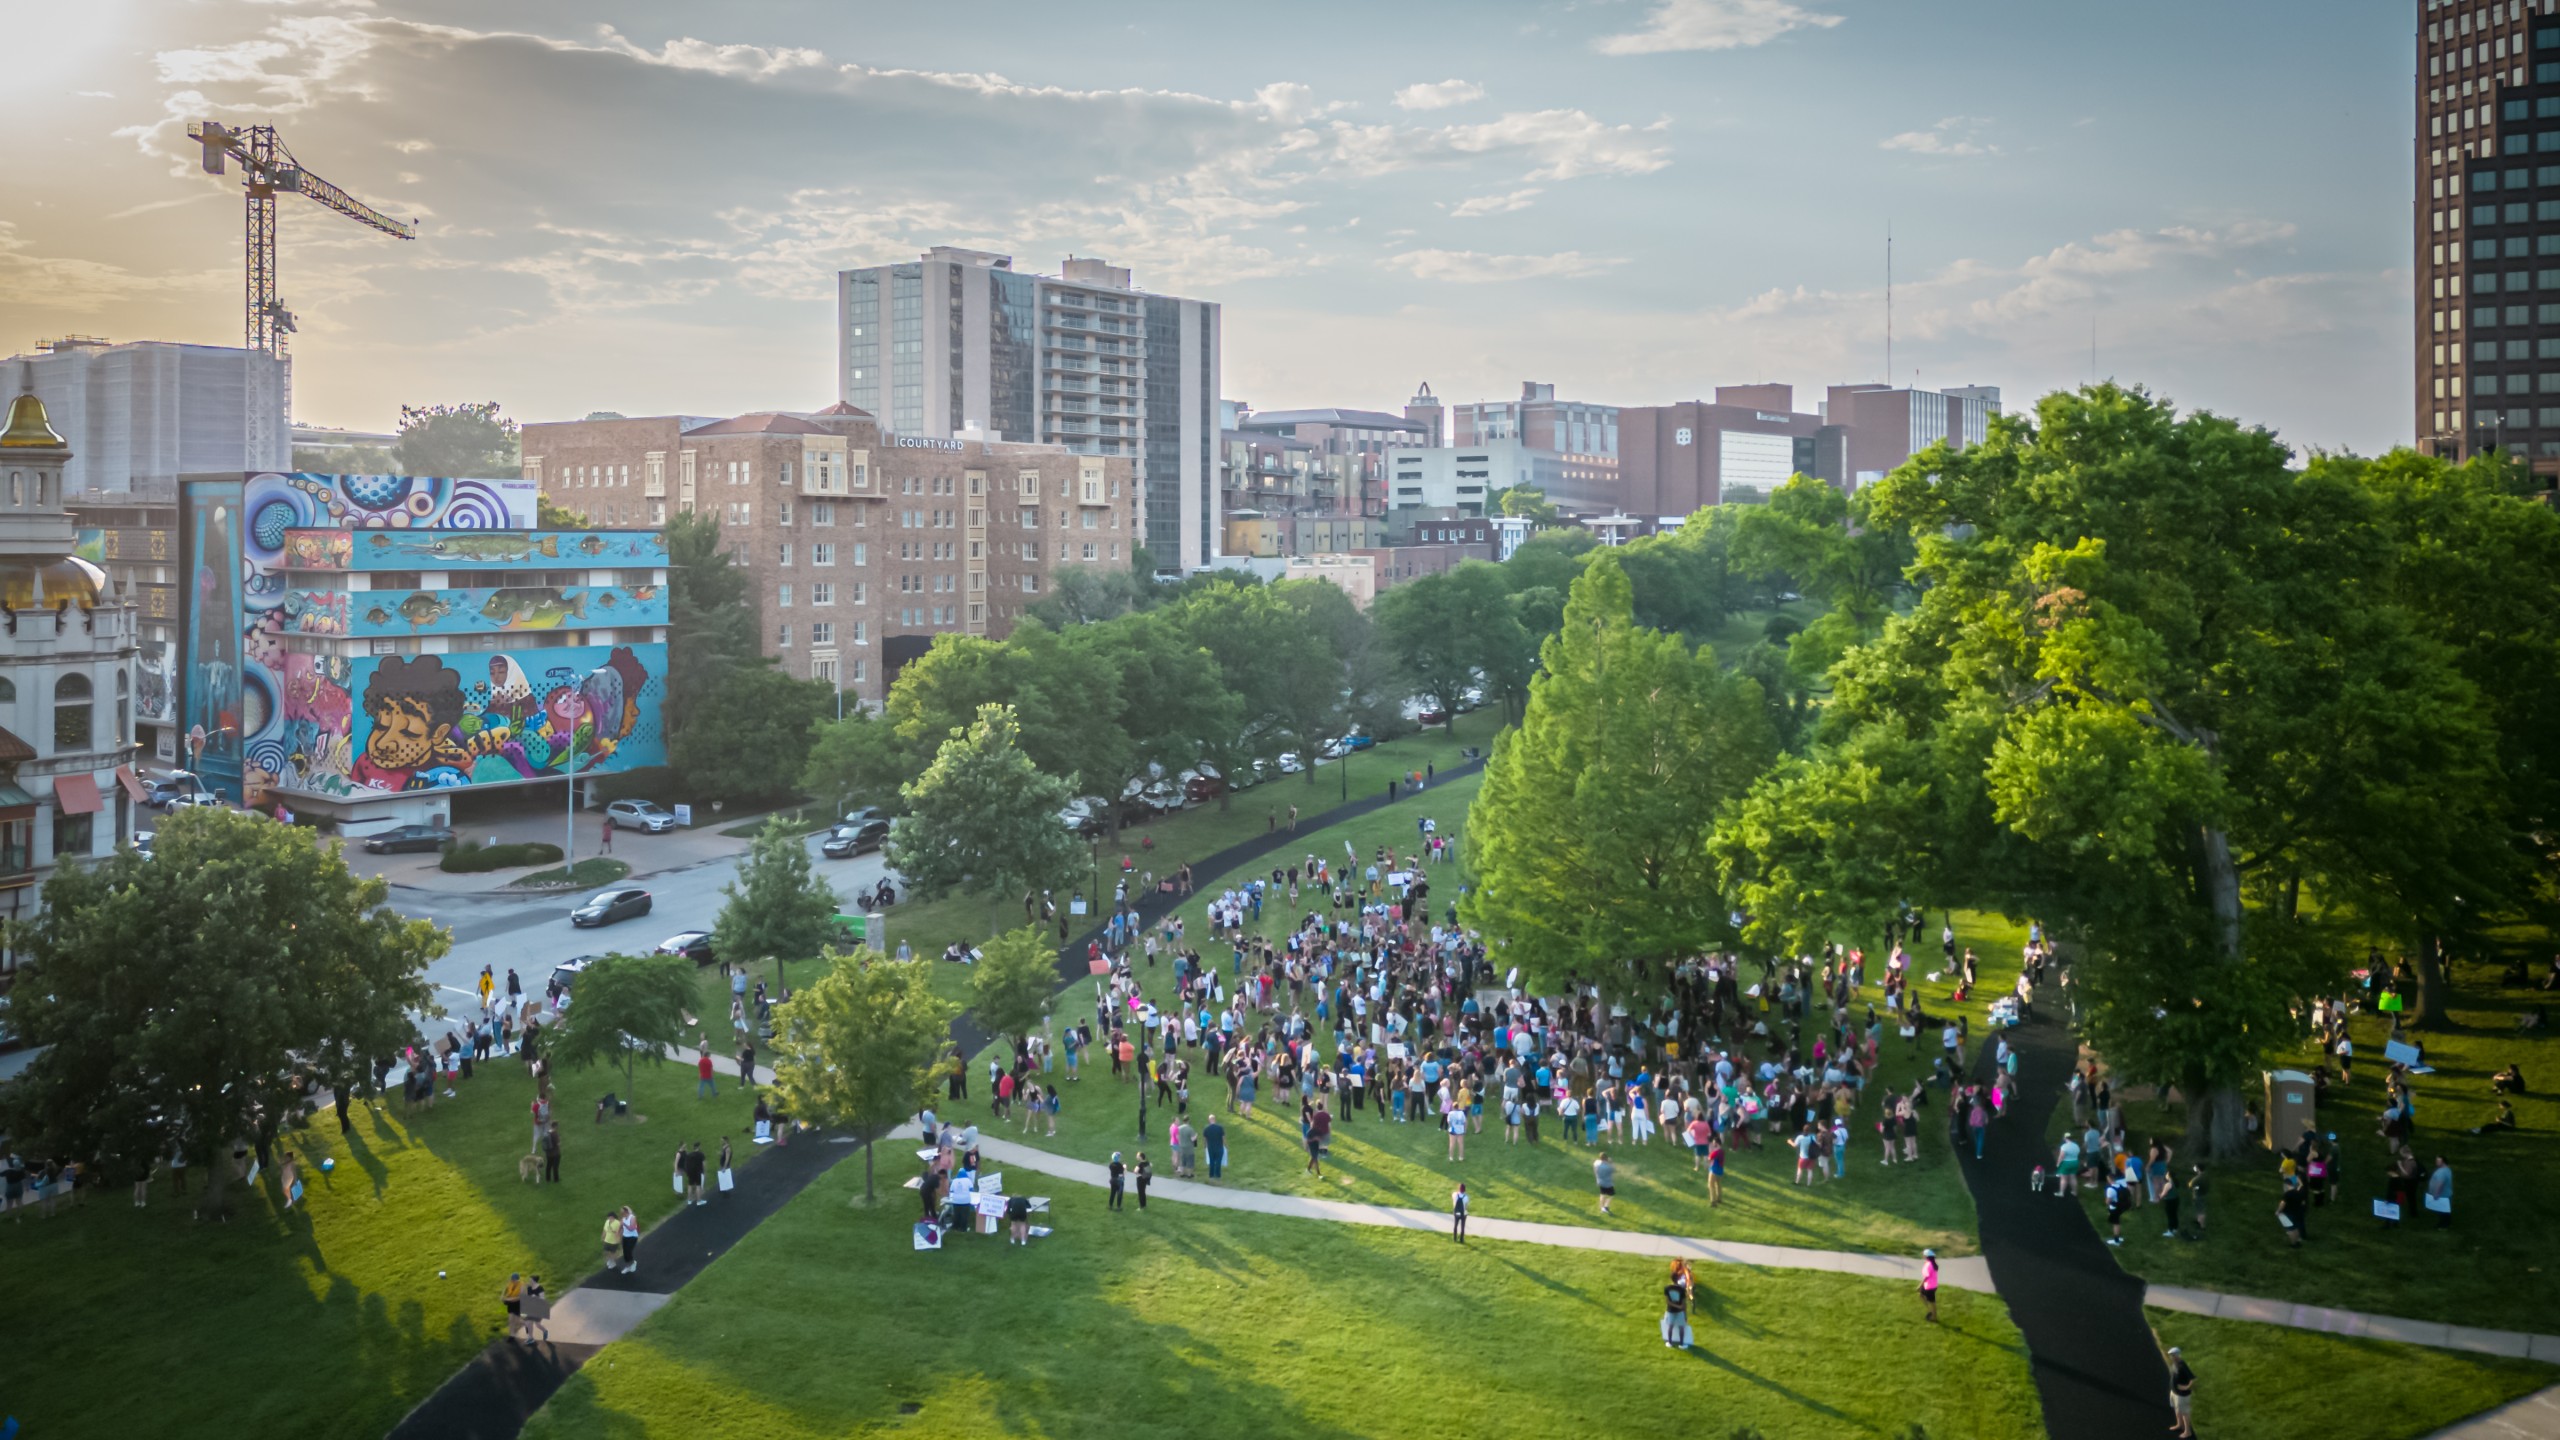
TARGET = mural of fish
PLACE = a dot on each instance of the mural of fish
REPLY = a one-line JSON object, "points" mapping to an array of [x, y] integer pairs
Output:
{"points": [[422, 610], [493, 549], [644, 592], [377, 616], [590, 544], [532, 609]]}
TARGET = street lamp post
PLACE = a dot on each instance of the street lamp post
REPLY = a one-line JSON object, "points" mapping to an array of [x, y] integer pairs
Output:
{"points": [[569, 814]]}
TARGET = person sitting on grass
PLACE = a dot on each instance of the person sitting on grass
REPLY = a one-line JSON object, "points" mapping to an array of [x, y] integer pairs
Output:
{"points": [[2509, 1081], [2505, 1119]]}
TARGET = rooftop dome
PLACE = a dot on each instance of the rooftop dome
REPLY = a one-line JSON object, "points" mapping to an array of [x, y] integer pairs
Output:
{"points": [[30, 428], [43, 584]]}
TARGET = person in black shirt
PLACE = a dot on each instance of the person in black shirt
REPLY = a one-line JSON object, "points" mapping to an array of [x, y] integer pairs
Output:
{"points": [[2182, 1393], [1675, 1306], [1119, 1179], [1017, 1210]]}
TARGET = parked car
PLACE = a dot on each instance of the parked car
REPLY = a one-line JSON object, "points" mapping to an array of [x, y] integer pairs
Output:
{"points": [[567, 971], [1470, 699], [607, 906], [169, 787], [1082, 816], [142, 842], [197, 797], [643, 815], [1203, 784], [694, 945], [401, 838], [864, 815], [853, 838], [1163, 796], [1432, 713], [1290, 763]]}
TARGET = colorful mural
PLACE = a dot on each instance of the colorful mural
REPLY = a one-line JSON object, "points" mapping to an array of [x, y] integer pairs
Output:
{"points": [[340, 725], [155, 683], [463, 550], [217, 684], [425, 722]]}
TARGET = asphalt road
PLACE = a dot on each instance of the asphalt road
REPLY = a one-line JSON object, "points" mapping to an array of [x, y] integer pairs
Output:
{"points": [[532, 934]]}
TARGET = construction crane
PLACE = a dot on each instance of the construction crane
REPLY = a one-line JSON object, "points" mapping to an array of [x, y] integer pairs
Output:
{"points": [[269, 169]]}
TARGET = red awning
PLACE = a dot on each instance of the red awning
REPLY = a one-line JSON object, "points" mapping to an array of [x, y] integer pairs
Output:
{"points": [[132, 784], [76, 795]]}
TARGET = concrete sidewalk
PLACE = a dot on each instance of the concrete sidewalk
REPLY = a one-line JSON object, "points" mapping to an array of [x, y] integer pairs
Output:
{"points": [[2435, 1334]]}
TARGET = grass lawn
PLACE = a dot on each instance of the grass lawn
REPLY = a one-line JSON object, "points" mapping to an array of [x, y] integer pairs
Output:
{"points": [[2265, 1382], [592, 871], [1900, 1210], [2494, 1268], [330, 1320], [1174, 1323]]}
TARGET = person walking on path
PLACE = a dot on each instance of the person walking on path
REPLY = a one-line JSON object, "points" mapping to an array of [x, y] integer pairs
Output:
{"points": [[512, 1296], [608, 834], [537, 1310], [630, 1242], [1145, 1172], [1605, 1175], [1214, 1141], [2182, 1393], [1119, 1179], [613, 1240], [1458, 1213], [702, 1076], [1929, 1285], [693, 1167]]}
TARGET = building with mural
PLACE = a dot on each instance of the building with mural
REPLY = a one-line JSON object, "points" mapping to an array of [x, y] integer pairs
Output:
{"points": [[360, 647], [67, 787]]}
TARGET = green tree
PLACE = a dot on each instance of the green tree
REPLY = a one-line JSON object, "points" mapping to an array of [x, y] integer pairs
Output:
{"points": [[2156, 683], [712, 618], [983, 815], [457, 440], [172, 1002], [1010, 986], [1082, 595], [1283, 671], [550, 514], [862, 1048], [749, 737], [779, 908], [346, 460], [1551, 558], [858, 760], [1527, 502], [622, 1008], [1588, 840]]}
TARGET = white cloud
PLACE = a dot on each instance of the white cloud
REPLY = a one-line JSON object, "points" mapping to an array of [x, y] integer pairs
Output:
{"points": [[1439, 96], [1953, 136], [1468, 267], [1714, 25], [1553, 144], [1495, 204]]}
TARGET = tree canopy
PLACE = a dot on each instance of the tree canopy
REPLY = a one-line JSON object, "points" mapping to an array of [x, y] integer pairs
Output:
{"points": [[1588, 840], [1011, 984], [464, 440], [187, 1000], [622, 1008], [778, 908], [862, 1048], [983, 815], [2156, 682]]}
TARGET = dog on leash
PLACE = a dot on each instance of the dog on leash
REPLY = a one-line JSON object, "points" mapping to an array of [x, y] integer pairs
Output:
{"points": [[529, 1167], [2035, 1181]]}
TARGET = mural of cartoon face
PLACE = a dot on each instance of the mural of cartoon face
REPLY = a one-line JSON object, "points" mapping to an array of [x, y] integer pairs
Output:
{"points": [[414, 702]]}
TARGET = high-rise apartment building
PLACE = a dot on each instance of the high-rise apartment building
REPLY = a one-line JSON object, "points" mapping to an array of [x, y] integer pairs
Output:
{"points": [[2487, 239], [958, 344]]}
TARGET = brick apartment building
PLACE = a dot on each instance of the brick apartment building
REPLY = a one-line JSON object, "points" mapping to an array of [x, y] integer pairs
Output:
{"points": [[862, 545]]}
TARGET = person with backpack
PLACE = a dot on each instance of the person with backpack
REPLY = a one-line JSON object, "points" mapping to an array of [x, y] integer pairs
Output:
{"points": [[1458, 1213]]}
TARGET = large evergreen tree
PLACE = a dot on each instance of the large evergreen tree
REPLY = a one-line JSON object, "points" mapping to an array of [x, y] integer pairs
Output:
{"points": [[1588, 840]]}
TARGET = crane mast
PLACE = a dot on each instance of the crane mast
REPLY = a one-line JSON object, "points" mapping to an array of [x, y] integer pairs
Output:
{"points": [[267, 170]]}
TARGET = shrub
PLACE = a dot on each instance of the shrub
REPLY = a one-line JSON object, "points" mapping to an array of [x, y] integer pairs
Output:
{"points": [[473, 858]]}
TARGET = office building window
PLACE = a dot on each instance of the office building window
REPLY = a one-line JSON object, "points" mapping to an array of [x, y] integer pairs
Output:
{"points": [[822, 633], [822, 555], [822, 513], [822, 594]]}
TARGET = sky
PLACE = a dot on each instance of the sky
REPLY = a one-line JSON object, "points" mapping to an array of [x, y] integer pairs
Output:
{"points": [[640, 207]]}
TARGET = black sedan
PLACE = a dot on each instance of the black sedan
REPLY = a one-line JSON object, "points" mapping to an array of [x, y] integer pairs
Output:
{"points": [[608, 906], [853, 839], [408, 837], [694, 945]]}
